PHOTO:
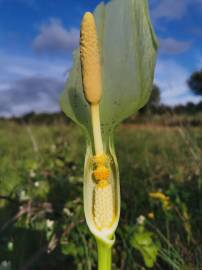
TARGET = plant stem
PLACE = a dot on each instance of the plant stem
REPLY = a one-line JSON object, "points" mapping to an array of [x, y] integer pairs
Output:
{"points": [[95, 115], [104, 255]]}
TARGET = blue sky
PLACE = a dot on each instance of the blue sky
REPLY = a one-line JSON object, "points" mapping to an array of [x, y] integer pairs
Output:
{"points": [[37, 38]]}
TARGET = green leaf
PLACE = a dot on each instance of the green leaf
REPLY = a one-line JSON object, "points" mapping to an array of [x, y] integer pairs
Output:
{"points": [[128, 52], [142, 241], [69, 249]]}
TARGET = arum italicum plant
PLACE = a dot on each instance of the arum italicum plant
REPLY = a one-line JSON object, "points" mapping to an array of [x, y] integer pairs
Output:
{"points": [[111, 79]]}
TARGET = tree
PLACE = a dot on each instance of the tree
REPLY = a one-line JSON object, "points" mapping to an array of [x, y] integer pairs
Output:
{"points": [[155, 97], [154, 100], [195, 82]]}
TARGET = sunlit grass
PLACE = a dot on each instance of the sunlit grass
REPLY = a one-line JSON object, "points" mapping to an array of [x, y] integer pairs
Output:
{"points": [[43, 163]]}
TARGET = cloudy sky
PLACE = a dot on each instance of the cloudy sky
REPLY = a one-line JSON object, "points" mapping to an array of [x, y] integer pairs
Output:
{"points": [[37, 38]]}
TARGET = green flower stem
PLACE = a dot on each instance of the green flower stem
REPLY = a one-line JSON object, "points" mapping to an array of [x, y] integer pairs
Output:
{"points": [[95, 116], [104, 255]]}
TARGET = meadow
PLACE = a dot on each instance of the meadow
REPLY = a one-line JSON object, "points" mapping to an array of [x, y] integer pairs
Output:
{"points": [[42, 222]]}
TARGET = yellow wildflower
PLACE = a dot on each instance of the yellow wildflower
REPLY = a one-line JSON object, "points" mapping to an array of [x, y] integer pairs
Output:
{"points": [[165, 200], [159, 196]]}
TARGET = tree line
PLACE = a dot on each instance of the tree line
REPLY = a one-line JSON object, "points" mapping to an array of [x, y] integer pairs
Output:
{"points": [[194, 83]]}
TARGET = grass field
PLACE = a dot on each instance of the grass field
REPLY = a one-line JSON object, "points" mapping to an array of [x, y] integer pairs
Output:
{"points": [[41, 197]]}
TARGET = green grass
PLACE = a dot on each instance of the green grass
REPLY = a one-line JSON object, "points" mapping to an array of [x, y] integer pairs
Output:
{"points": [[41, 174]]}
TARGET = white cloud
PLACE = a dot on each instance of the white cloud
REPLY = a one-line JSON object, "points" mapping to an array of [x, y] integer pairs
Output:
{"points": [[172, 80], [174, 46], [170, 9], [30, 84], [171, 77], [53, 37], [14, 67], [38, 94]]}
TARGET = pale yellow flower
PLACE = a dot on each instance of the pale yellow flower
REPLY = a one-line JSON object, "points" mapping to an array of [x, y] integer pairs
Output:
{"points": [[151, 215]]}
